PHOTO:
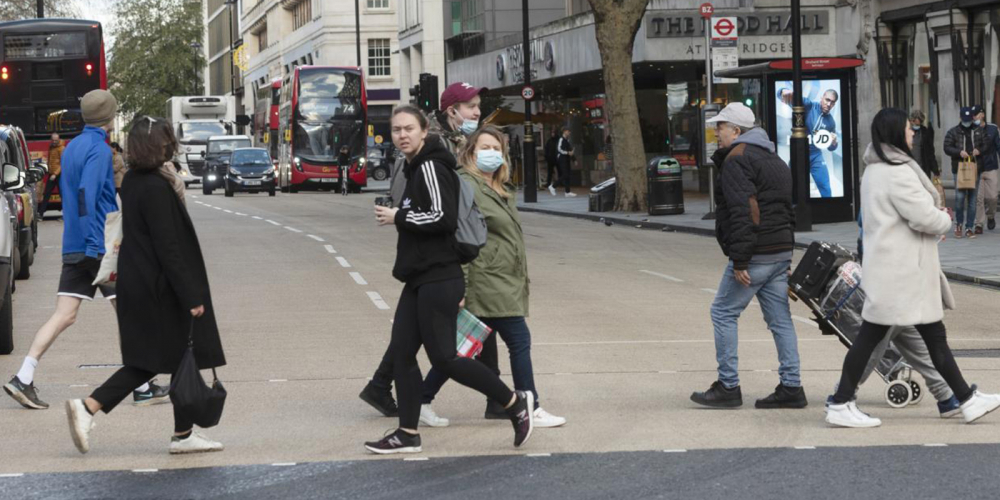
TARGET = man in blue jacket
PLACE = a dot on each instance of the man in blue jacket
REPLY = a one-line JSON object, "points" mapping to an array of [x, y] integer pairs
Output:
{"points": [[986, 197], [87, 185]]}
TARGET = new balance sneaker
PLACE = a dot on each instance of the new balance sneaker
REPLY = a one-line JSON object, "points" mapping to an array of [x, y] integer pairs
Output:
{"points": [[552, 190], [979, 405], [153, 396], [195, 443], [784, 397], [430, 418], [397, 442], [949, 408], [80, 424], [718, 396], [522, 417], [494, 411], [25, 394], [544, 419], [380, 399], [848, 415]]}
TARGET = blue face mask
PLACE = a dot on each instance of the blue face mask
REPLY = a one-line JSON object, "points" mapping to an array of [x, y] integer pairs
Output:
{"points": [[977, 123], [966, 124], [916, 127], [469, 127], [489, 160]]}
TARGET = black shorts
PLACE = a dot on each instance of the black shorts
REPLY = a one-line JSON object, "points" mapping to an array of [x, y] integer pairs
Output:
{"points": [[77, 280]]}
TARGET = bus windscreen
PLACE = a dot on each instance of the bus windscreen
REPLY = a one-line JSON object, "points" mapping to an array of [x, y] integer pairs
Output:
{"points": [[329, 114]]}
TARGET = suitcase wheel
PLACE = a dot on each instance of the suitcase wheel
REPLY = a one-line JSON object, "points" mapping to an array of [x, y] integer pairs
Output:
{"points": [[898, 394], [916, 392]]}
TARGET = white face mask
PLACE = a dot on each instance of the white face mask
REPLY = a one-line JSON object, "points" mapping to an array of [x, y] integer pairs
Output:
{"points": [[489, 160]]}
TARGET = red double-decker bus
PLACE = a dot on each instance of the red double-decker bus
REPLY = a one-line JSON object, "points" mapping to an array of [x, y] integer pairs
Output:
{"points": [[265, 117], [322, 110], [46, 66]]}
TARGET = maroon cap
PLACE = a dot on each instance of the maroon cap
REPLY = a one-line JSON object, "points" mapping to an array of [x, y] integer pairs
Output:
{"points": [[459, 92]]}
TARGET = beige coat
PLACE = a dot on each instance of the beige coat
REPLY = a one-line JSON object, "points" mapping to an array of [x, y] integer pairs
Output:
{"points": [[903, 282]]}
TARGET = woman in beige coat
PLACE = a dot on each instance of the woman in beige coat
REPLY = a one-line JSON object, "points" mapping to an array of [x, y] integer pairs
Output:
{"points": [[903, 282]]}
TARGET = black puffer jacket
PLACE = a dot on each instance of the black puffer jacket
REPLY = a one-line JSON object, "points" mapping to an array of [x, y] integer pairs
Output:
{"points": [[753, 200], [960, 139], [428, 217]]}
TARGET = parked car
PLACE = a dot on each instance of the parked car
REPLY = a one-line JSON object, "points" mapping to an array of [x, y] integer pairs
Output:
{"points": [[220, 149], [25, 201], [11, 180], [250, 170]]}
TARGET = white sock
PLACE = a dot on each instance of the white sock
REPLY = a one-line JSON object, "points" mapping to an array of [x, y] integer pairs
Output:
{"points": [[143, 388], [27, 373]]}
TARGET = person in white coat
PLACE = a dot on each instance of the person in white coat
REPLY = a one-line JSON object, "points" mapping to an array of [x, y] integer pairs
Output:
{"points": [[903, 282]]}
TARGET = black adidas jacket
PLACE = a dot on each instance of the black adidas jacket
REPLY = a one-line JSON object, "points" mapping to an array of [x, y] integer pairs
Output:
{"points": [[428, 218]]}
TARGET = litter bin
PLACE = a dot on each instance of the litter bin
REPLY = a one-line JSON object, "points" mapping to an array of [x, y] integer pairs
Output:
{"points": [[665, 195], [602, 196]]}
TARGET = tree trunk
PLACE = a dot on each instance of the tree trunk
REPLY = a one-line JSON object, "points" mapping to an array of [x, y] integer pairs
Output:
{"points": [[616, 23]]}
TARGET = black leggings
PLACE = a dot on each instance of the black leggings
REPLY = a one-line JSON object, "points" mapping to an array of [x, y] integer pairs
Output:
{"points": [[427, 315], [871, 335], [121, 384]]}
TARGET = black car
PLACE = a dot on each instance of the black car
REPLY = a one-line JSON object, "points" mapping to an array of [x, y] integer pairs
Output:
{"points": [[250, 170], [220, 149]]}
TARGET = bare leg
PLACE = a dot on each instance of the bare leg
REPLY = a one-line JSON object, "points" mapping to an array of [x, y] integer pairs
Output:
{"points": [[63, 318]]}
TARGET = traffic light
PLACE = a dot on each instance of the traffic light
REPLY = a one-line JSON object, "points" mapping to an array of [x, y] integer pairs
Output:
{"points": [[428, 92], [415, 95]]}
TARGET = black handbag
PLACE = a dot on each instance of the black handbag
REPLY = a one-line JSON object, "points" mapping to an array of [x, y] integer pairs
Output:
{"points": [[192, 398]]}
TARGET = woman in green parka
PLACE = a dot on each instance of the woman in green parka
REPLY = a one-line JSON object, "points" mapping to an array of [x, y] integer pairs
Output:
{"points": [[496, 283]]}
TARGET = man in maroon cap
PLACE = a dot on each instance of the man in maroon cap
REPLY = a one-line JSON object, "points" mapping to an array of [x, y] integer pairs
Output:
{"points": [[459, 115]]}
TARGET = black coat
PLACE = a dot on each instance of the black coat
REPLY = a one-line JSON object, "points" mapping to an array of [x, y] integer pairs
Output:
{"points": [[161, 277], [958, 139]]}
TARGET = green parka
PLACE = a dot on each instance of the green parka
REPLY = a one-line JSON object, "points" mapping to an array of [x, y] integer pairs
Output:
{"points": [[496, 283]]}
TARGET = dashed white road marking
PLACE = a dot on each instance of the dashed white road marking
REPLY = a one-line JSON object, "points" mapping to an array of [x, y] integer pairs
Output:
{"points": [[283, 464], [15, 474], [207, 205], [258, 218], [145, 471], [676, 450], [538, 455], [317, 238], [377, 300], [416, 459], [329, 248], [79, 385], [664, 276], [805, 447], [228, 211], [292, 229], [358, 279], [936, 445], [278, 380], [217, 208], [710, 290], [241, 214], [800, 319], [269, 221], [343, 262]]}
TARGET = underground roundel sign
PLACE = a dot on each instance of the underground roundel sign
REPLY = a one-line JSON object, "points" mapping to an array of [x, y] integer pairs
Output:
{"points": [[723, 27]]}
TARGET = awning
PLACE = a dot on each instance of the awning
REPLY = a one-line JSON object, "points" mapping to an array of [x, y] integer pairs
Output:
{"points": [[504, 117], [784, 65]]}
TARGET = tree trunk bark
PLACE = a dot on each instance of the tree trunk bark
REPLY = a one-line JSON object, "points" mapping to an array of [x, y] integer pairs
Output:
{"points": [[616, 23]]}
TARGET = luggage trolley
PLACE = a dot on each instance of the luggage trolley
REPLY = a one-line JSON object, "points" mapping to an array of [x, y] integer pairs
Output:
{"points": [[828, 281]]}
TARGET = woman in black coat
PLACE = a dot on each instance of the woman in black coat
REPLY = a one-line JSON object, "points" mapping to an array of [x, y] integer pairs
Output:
{"points": [[162, 287]]}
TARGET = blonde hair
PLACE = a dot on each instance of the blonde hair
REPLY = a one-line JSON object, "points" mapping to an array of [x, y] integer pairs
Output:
{"points": [[467, 158]]}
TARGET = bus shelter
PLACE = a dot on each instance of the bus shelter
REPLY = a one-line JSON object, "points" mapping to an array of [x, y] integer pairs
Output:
{"points": [[829, 88]]}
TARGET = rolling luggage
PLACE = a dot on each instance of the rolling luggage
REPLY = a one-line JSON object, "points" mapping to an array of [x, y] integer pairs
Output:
{"points": [[816, 268]]}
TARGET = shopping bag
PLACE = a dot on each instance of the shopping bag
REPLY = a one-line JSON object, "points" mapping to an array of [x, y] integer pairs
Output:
{"points": [[940, 190], [112, 243], [191, 397], [471, 334], [967, 173]]}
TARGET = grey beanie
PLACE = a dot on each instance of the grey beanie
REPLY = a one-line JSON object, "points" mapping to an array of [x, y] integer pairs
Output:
{"points": [[99, 107]]}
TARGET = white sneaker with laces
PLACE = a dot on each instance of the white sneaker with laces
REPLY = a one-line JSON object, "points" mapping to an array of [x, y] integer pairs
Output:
{"points": [[545, 419], [429, 418], [80, 424], [979, 405], [848, 415], [571, 195], [195, 443], [552, 190]]}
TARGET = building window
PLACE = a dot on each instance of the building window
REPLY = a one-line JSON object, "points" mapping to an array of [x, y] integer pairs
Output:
{"points": [[378, 57], [378, 4], [301, 14], [262, 40]]}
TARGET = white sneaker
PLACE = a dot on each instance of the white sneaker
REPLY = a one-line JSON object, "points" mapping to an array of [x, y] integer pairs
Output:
{"points": [[848, 415], [545, 419], [552, 190], [429, 418], [80, 424], [195, 443], [979, 405], [571, 195]]}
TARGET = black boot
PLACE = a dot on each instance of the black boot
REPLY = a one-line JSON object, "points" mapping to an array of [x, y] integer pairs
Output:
{"points": [[784, 397], [380, 399], [718, 396]]}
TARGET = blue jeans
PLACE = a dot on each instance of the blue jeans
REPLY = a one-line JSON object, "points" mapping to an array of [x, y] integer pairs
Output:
{"points": [[820, 175], [965, 207], [769, 283], [514, 332]]}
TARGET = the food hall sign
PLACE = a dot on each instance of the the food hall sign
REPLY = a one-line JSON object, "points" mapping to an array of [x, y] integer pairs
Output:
{"points": [[689, 24]]}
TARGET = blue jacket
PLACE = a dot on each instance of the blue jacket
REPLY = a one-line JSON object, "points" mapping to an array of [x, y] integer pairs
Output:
{"points": [[991, 148], [87, 186]]}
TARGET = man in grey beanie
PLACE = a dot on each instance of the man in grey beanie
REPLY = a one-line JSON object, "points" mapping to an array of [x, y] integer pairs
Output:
{"points": [[87, 185]]}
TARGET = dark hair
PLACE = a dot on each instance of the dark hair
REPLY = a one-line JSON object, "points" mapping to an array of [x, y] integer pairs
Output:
{"points": [[151, 143], [834, 92], [415, 112], [889, 129]]}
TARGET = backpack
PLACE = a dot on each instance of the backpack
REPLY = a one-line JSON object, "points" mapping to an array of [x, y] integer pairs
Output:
{"points": [[471, 233]]}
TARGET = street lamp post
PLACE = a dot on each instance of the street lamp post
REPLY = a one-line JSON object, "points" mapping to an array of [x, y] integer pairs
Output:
{"points": [[530, 181], [357, 28], [41, 8], [800, 160], [194, 68], [232, 63]]}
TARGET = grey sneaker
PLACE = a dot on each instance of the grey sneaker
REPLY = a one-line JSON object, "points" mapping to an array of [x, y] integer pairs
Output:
{"points": [[26, 394], [153, 396]]}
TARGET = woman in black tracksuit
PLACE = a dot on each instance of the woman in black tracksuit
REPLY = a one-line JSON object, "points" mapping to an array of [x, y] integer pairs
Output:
{"points": [[428, 264]]}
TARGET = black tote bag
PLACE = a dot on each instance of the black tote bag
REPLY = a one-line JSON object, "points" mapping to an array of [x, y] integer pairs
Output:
{"points": [[192, 398]]}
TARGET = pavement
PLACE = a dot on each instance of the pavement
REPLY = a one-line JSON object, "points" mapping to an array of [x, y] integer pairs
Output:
{"points": [[974, 261], [622, 336]]}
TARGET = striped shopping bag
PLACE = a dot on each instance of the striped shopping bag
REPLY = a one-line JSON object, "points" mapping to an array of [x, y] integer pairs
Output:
{"points": [[471, 334]]}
